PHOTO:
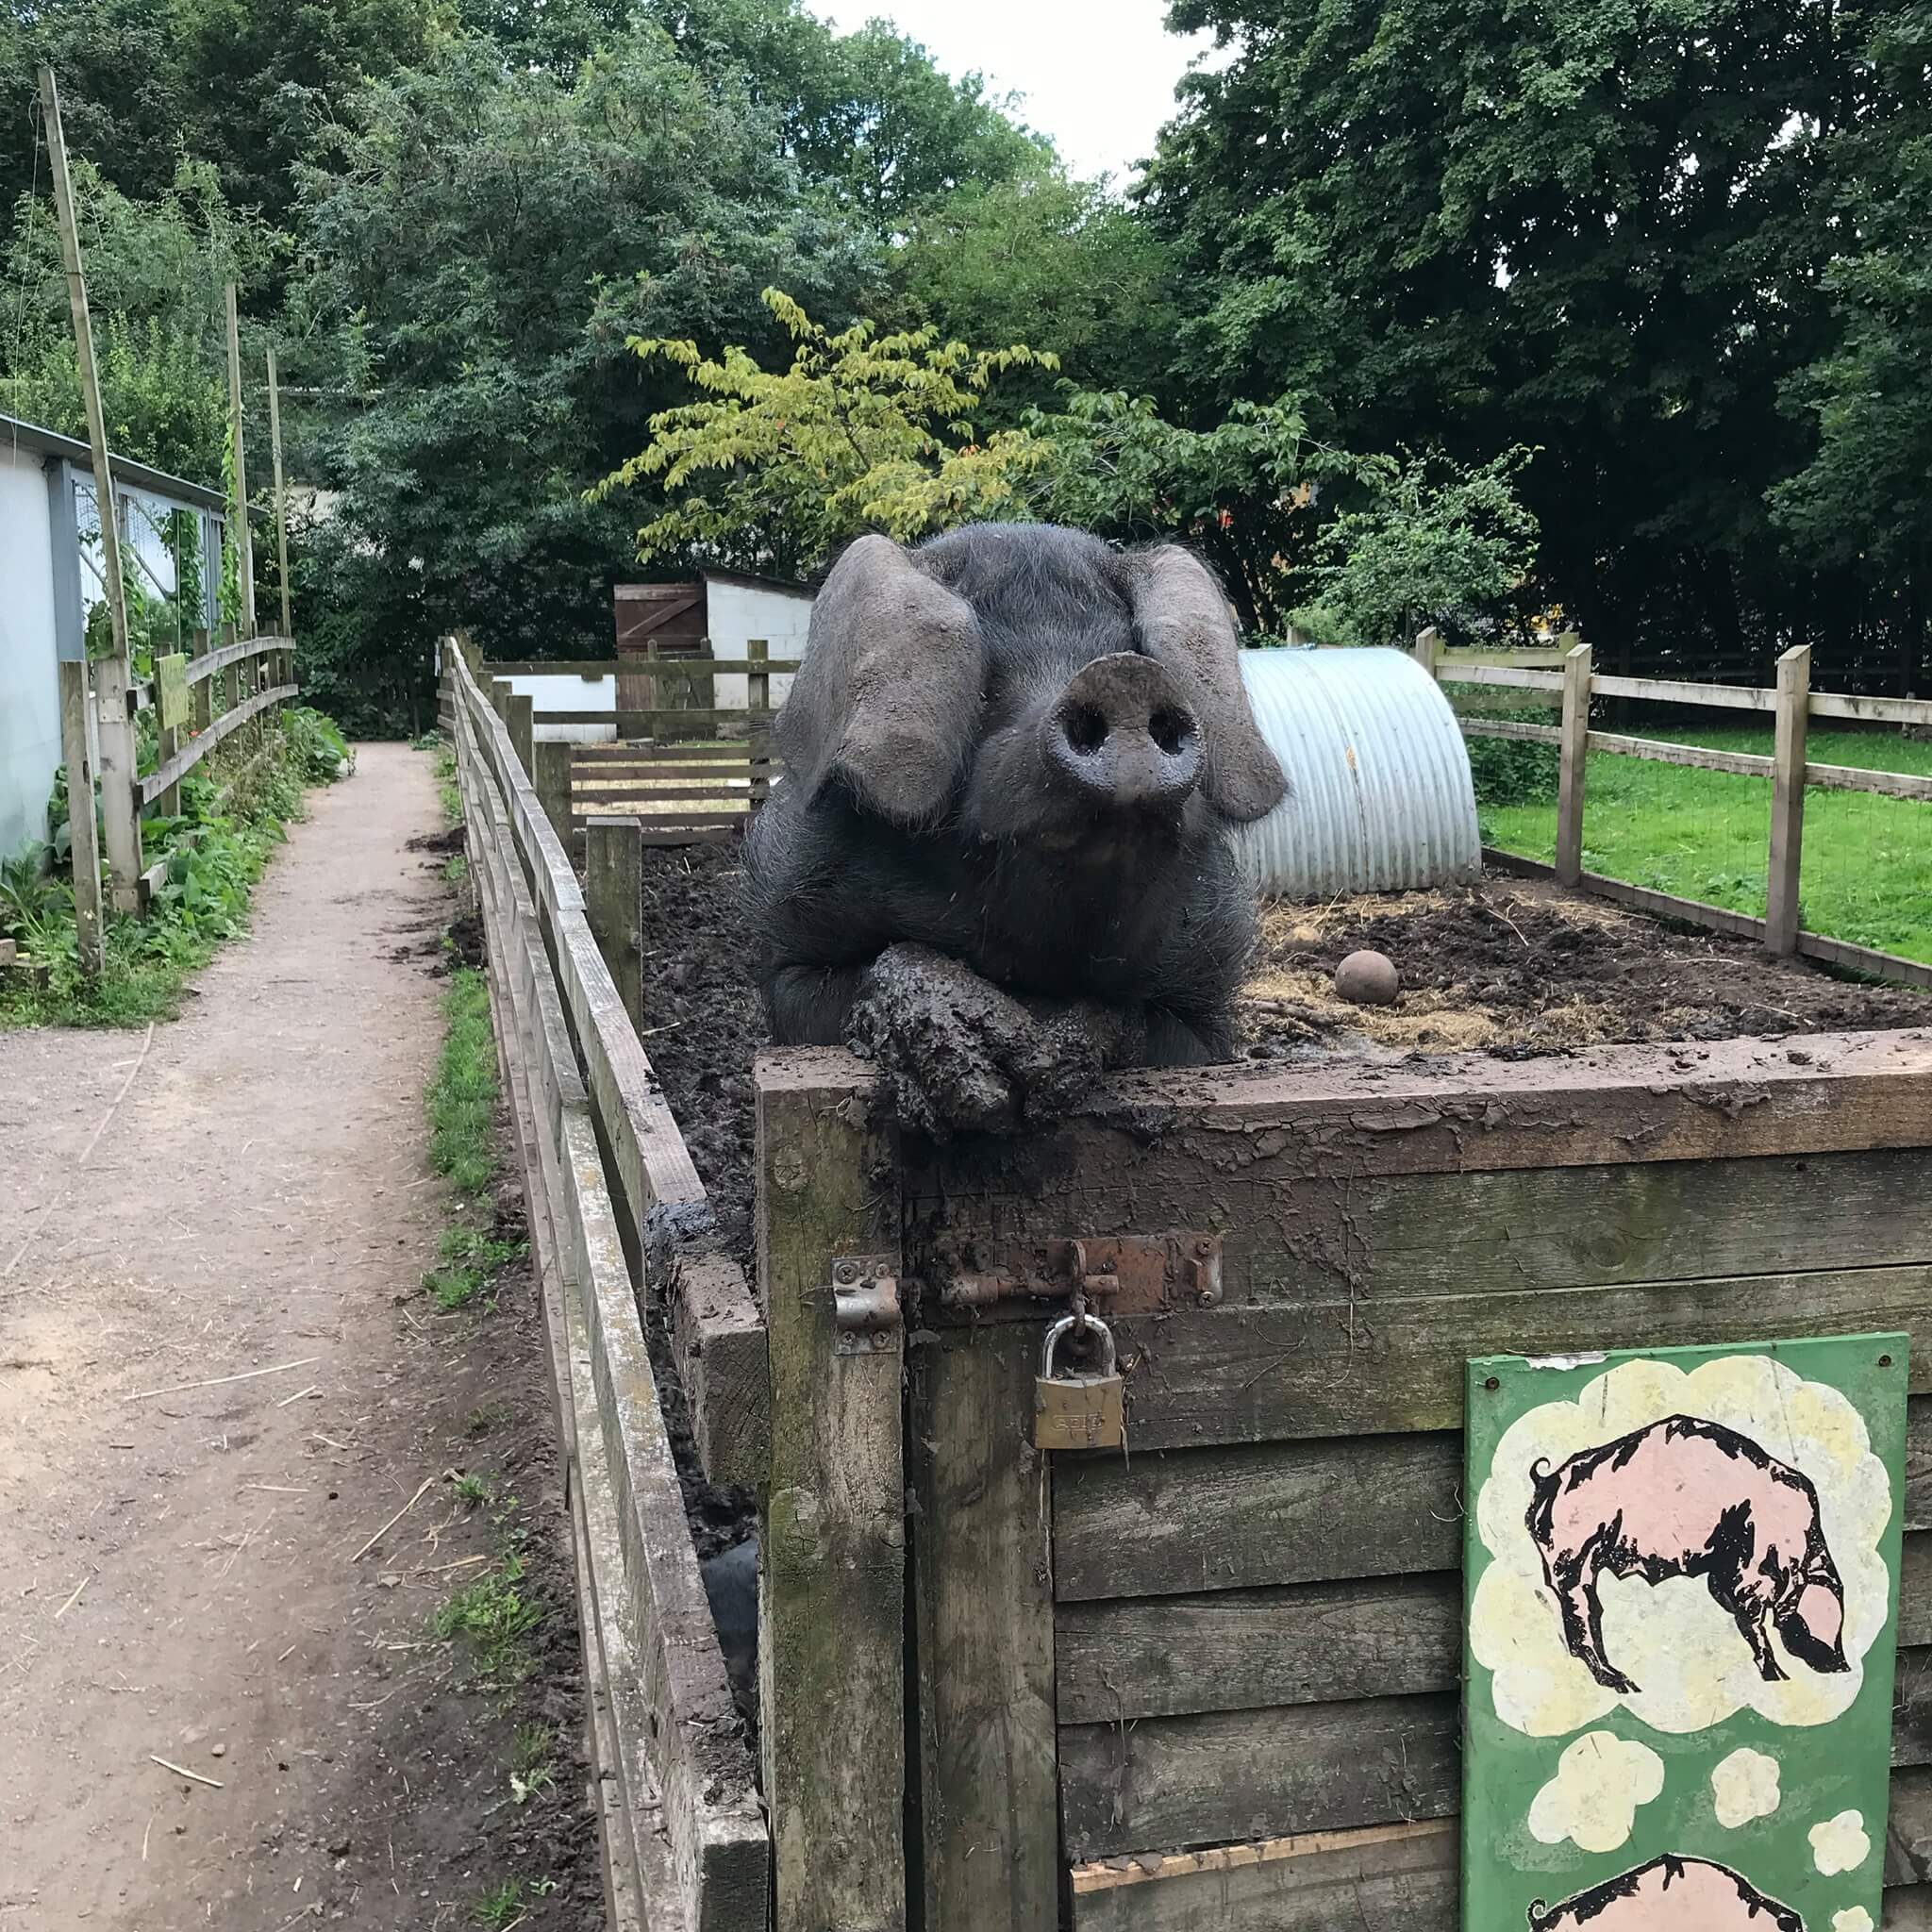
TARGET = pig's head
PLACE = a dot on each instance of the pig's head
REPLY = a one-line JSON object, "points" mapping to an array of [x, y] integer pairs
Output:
{"points": [[1028, 685], [1810, 1621]]}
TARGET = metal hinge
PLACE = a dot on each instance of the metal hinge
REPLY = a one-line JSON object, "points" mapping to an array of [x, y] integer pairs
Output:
{"points": [[865, 1302], [1120, 1274]]}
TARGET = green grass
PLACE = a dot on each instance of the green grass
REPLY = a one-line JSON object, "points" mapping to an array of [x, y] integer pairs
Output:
{"points": [[462, 1096], [472, 1492], [502, 1905], [531, 1772], [1866, 875], [471, 1262], [447, 786], [493, 1618]]}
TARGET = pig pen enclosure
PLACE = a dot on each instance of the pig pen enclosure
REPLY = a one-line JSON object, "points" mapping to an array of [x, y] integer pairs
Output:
{"points": [[1210, 1684]]}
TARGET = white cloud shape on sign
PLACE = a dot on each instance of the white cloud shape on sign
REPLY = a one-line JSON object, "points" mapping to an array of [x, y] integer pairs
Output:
{"points": [[1691, 1663], [1841, 1843], [1856, 1919], [1745, 1787], [1593, 1800]]}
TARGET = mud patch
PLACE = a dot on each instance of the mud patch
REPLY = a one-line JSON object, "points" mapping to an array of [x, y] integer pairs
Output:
{"points": [[1518, 967]]}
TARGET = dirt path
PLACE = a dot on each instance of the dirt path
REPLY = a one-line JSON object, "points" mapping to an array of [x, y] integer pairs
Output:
{"points": [[176, 1572]]}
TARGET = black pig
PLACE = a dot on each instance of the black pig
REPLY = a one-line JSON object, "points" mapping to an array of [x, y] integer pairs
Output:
{"points": [[999, 861]]}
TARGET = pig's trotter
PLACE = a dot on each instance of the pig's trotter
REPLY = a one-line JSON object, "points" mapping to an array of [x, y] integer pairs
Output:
{"points": [[963, 1057]]}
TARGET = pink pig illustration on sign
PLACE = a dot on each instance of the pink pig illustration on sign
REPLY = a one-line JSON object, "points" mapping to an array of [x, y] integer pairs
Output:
{"points": [[1684, 1497], [1669, 1895]]}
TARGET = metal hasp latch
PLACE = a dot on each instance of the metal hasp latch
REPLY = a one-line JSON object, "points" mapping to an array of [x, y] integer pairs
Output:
{"points": [[1123, 1274], [865, 1303]]}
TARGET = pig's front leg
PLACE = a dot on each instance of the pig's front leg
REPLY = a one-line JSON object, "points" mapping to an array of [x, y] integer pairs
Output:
{"points": [[962, 1056]]}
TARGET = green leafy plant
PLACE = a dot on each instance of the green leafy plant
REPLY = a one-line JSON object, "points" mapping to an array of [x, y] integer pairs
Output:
{"points": [[471, 1261], [493, 1618], [462, 1094]]}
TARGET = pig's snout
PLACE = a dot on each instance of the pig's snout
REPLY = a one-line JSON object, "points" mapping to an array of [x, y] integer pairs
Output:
{"points": [[1123, 736]]}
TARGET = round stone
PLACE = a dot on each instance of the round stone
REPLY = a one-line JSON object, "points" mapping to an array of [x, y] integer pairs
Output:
{"points": [[1367, 979]]}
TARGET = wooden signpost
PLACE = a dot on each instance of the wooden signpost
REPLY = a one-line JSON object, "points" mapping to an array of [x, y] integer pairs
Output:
{"points": [[1682, 1576]]}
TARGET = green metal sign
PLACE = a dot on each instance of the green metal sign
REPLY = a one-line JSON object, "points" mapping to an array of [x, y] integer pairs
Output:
{"points": [[171, 692], [1681, 1605]]}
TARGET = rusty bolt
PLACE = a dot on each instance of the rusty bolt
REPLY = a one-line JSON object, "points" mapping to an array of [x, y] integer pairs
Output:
{"points": [[1207, 1298], [846, 1273]]}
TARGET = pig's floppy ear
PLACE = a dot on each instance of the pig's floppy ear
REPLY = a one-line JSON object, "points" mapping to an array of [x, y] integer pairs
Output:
{"points": [[888, 695], [1181, 619]]}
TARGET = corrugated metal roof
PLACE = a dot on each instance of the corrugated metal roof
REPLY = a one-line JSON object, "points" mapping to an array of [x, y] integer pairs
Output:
{"points": [[14, 433], [1380, 799]]}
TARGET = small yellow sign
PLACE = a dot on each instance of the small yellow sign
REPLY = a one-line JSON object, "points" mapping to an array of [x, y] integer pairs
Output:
{"points": [[171, 692]]}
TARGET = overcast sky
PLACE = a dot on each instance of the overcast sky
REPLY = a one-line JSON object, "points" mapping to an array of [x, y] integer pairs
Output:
{"points": [[1098, 75]]}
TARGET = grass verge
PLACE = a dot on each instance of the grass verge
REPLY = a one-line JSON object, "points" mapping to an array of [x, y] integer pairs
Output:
{"points": [[234, 808], [463, 1095], [1866, 873]]}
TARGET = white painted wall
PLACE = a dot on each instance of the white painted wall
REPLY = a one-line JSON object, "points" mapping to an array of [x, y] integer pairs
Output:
{"points": [[734, 613], [29, 682], [569, 693]]}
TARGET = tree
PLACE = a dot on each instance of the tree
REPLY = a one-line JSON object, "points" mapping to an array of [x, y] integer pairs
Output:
{"points": [[1043, 256], [1864, 495], [860, 432], [482, 243], [1594, 230]]}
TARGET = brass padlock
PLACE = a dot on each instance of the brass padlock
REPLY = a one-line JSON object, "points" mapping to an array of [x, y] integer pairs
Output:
{"points": [[1079, 1411]]}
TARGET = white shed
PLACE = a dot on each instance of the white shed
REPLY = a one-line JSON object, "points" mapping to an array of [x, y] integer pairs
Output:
{"points": [[50, 577]]}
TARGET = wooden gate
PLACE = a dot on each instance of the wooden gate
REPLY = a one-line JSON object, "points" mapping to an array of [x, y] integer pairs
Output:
{"points": [[1211, 1683]]}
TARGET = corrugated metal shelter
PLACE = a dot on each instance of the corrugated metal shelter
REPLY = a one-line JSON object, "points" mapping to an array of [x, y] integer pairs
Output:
{"points": [[1382, 799], [50, 577]]}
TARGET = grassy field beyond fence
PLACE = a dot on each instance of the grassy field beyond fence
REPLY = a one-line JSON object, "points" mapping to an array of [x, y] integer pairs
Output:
{"points": [[1866, 874]]}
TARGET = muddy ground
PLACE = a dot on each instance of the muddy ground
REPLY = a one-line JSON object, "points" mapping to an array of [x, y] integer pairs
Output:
{"points": [[1507, 966], [219, 1381]]}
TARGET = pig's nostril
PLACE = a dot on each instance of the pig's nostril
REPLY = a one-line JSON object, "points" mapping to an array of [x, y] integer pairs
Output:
{"points": [[1169, 730], [1086, 729]]}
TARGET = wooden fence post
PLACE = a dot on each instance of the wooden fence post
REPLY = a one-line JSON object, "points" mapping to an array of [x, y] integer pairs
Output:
{"points": [[201, 693], [613, 902], [114, 721], [275, 441], [519, 714], [1575, 748], [1787, 801], [172, 719], [551, 777], [86, 855], [758, 704], [1428, 651], [832, 1590]]}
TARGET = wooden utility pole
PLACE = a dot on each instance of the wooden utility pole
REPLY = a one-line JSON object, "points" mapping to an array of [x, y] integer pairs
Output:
{"points": [[114, 726], [244, 544], [275, 444]]}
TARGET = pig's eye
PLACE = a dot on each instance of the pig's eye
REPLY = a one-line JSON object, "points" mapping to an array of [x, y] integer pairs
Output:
{"points": [[1086, 729], [1169, 731]]}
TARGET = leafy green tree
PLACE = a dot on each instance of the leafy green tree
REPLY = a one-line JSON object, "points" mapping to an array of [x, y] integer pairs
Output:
{"points": [[860, 432], [480, 248], [1431, 545], [1040, 257], [1593, 230], [1864, 495]]}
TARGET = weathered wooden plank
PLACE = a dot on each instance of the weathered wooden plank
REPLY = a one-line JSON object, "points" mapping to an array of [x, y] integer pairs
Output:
{"points": [[209, 662], [1226, 1775], [1380, 1878], [613, 902], [1352, 1368], [1857, 778], [832, 1608], [985, 1637], [1661, 751], [653, 758], [719, 1338], [1247, 1773], [666, 809], [1323, 1643], [1253, 1515], [1292, 1238], [691, 835], [1501, 674], [591, 670], [1663, 691], [163, 777], [1815, 945], [1829, 704], [1511, 728], [1386, 1878], [1175, 1141]]}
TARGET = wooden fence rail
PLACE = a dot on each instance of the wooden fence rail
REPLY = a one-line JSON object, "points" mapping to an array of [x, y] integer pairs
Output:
{"points": [[615, 1208], [1792, 703]]}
